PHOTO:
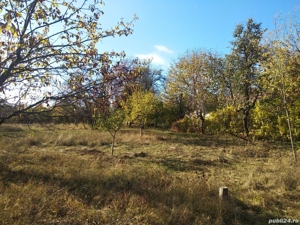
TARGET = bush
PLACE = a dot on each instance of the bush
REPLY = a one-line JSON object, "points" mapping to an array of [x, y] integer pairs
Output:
{"points": [[226, 119], [187, 124], [270, 122]]}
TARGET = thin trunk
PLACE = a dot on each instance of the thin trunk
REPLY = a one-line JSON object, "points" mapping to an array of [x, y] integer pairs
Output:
{"points": [[113, 143], [141, 129], [141, 132], [287, 115], [112, 146], [290, 133], [288, 119], [245, 122]]}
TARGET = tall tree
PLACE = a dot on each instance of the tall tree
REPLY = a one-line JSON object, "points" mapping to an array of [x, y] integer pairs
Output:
{"points": [[282, 69], [151, 78], [43, 42], [243, 69], [191, 82]]}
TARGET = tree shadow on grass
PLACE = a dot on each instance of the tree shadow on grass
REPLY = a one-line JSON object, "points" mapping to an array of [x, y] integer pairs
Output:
{"points": [[174, 203], [202, 140], [235, 211], [176, 164]]}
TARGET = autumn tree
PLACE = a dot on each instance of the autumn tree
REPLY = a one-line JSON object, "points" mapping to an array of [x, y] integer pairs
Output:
{"points": [[242, 78], [190, 83], [111, 120], [107, 88], [43, 44], [282, 78], [151, 78], [143, 108]]}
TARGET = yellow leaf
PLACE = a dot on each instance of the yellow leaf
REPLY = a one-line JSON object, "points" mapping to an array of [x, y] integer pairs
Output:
{"points": [[13, 30]]}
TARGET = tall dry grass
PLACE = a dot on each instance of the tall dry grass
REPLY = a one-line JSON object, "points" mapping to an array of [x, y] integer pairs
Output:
{"points": [[66, 175]]}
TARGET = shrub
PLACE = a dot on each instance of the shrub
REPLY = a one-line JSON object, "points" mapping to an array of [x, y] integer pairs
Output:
{"points": [[187, 124], [226, 119], [270, 122]]}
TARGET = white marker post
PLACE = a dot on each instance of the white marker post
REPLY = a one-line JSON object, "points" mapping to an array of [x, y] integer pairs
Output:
{"points": [[223, 193]]}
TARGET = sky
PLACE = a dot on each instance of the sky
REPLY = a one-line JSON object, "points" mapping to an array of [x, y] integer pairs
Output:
{"points": [[168, 28]]}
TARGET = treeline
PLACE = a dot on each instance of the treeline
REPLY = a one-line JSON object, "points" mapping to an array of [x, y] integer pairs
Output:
{"points": [[252, 91]]}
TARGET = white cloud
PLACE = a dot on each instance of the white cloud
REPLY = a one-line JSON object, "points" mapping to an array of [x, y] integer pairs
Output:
{"points": [[156, 58], [162, 48]]}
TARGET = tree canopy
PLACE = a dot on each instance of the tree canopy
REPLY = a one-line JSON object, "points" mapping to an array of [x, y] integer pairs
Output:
{"points": [[44, 43]]}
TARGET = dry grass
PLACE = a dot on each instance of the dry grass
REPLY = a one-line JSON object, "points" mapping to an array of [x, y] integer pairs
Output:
{"points": [[66, 175]]}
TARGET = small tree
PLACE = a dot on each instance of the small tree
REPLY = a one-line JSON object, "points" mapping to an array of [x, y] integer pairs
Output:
{"points": [[110, 120], [143, 107]]}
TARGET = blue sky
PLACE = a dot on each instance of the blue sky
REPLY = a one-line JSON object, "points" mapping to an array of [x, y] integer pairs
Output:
{"points": [[167, 28]]}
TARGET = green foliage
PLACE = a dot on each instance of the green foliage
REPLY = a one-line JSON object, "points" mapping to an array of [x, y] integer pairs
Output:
{"points": [[224, 120], [266, 124], [169, 114], [110, 120], [269, 122], [243, 70], [278, 116], [143, 108]]}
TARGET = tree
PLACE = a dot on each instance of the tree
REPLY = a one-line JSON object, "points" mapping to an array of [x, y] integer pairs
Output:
{"points": [[191, 82], [151, 78], [110, 120], [46, 42], [242, 77], [108, 88], [283, 82], [143, 108]]}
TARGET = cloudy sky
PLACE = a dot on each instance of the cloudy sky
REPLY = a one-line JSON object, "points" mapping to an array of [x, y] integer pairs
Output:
{"points": [[167, 28]]}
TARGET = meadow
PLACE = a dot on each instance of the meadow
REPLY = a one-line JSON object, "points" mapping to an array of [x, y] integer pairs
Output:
{"points": [[65, 174]]}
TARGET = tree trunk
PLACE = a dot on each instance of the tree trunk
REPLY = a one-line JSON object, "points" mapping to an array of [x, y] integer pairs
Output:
{"points": [[245, 122], [288, 120], [290, 133], [113, 143], [202, 118], [112, 146], [141, 132], [287, 113], [203, 126], [180, 106]]}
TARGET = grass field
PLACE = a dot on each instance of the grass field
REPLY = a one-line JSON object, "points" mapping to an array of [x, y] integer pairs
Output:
{"points": [[66, 175]]}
